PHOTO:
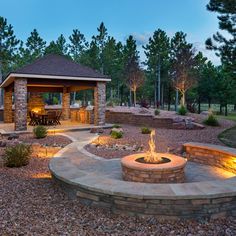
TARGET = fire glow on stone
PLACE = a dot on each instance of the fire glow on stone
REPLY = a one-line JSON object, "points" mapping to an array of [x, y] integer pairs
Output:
{"points": [[152, 156]]}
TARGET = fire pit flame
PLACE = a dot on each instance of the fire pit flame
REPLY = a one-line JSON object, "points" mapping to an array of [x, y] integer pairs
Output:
{"points": [[152, 156]]}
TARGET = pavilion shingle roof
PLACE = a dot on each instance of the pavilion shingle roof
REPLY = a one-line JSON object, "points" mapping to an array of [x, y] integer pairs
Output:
{"points": [[57, 65]]}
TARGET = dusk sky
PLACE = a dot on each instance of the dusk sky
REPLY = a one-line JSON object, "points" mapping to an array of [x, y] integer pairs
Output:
{"points": [[122, 18]]}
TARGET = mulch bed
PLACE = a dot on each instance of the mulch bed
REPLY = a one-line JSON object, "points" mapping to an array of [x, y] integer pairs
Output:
{"points": [[32, 204], [166, 139]]}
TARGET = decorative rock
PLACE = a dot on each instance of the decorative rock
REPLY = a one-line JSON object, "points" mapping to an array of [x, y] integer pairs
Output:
{"points": [[117, 130], [96, 130], [13, 136], [3, 143]]}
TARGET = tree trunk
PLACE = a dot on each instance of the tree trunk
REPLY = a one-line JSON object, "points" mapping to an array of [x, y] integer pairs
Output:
{"points": [[1, 90], [176, 99], [159, 83], [199, 105], [221, 109], [209, 103], [130, 97], [183, 99], [169, 98], [162, 96], [135, 98], [226, 110], [155, 94]]}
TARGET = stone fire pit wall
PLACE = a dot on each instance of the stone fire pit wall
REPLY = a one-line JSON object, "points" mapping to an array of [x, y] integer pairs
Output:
{"points": [[171, 172]]}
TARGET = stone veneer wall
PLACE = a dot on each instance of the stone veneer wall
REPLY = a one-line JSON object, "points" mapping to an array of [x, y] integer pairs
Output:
{"points": [[212, 155], [20, 89], [135, 119], [165, 208], [36, 101], [99, 103], [151, 176], [65, 104], [7, 114]]}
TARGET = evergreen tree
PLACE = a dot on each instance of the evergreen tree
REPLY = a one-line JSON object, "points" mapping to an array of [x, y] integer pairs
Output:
{"points": [[130, 53], [157, 52], [90, 57], [225, 47], [183, 63], [101, 40], [59, 46], [134, 76], [113, 66], [35, 44], [8, 45], [224, 89], [77, 45]]}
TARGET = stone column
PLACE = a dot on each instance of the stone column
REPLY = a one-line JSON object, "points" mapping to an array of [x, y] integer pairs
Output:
{"points": [[66, 103], [99, 103], [20, 90], [7, 112]]}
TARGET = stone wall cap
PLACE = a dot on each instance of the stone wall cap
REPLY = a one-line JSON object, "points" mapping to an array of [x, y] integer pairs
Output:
{"points": [[213, 147]]}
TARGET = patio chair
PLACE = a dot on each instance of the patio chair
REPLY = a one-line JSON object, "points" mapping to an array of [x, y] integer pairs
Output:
{"points": [[51, 118], [58, 117], [34, 120]]}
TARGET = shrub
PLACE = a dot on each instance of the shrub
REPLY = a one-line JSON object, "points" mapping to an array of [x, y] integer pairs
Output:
{"points": [[211, 121], [17, 156], [157, 112], [145, 130], [116, 134], [116, 126], [55, 101], [182, 110], [40, 131]]}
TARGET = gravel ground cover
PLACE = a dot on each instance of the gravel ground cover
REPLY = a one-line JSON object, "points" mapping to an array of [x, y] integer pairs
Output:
{"points": [[166, 139], [50, 140], [32, 204]]}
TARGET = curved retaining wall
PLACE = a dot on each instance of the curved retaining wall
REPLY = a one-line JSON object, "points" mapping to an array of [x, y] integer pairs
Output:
{"points": [[214, 155], [166, 207]]}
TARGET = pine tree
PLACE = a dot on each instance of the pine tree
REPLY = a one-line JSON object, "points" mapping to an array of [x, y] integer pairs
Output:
{"points": [[224, 47], [157, 52], [78, 45], [183, 63], [130, 53], [90, 57], [35, 44], [113, 66], [8, 46], [134, 76], [59, 46], [101, 40]]}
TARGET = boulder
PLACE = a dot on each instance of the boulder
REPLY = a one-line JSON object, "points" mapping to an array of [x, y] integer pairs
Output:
{"points": [[13, 136], [96, 130], [119, 130]]}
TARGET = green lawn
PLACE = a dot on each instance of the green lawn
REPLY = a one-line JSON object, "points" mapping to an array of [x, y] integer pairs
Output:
{"points": [[228, 137], [231, 116]]}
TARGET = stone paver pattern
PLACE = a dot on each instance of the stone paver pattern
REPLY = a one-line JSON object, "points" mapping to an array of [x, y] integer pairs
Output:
{"points": [[78, 166]]}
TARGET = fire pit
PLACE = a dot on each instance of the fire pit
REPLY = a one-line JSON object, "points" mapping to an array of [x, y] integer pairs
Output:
{"points": [[153, 167]]}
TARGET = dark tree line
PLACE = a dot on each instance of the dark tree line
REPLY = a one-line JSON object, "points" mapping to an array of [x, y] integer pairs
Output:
{"points": [[173, 71]]}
